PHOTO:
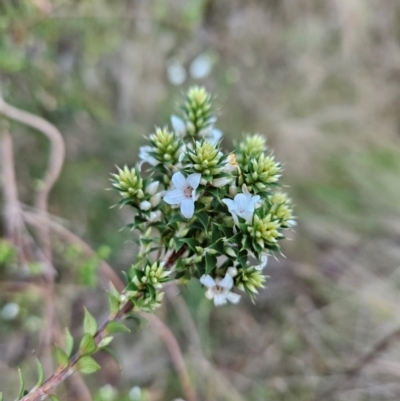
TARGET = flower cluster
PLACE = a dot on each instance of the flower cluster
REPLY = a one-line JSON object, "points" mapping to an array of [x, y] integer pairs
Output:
{"points": [[202, 212]]}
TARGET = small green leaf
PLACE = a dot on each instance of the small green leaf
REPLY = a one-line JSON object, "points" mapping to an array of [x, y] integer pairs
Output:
{"points": [[87, 365], [40, 373], [69, 343], [203, 218], [113, 302], [116, 327], [53, 397], [62, 358], [89, 323], [21, 385], [87, 345], [191, 242], [211, 262], [105, 341], [1, 396]]}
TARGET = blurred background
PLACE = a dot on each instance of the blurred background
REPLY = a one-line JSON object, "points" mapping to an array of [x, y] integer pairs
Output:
{"points": [[321, 80]]}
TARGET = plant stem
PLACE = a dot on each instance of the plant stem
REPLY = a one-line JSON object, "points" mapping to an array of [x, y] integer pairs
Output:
{"points": [[40, 393], [43, 391]]}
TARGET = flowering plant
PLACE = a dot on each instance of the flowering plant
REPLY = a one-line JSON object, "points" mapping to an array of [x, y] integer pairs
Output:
{"points": [[220, 213], [201, 213]]}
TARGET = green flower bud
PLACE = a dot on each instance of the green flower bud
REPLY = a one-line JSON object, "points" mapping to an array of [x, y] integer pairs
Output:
{"points": [[264, 230], [197, 110], [251, 147], [250, 280], [166, 147], [261, 173], [128, 183], [281, 209]]}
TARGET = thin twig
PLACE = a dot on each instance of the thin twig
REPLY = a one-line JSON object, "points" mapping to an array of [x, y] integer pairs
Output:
{"points": [[174, 350], [56, 159], [221, 384]]}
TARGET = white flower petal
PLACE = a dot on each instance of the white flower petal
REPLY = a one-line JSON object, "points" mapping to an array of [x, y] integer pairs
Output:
{"points": [[187, 208], [226, 282], [152, 188], [232, 271], [179, 180], [174, 197], [215, 136], [210, 294], [230, 203], [144, 156], [242, 202], [178, 125], [207, 280], [232, 297], [145, 205], [220, 182], [219, 299], [252, 203], [194, 180]]}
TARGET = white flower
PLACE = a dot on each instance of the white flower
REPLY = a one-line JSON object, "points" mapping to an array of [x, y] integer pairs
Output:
{"points": [[152, 188], [232, 271], [145, 205], [264, 262], [154, 216], [220, 290], [215, 136], [178, 125], [233, 190], [242, 205], [155, 199], [184, 193], [220, 182], [145, 157]]}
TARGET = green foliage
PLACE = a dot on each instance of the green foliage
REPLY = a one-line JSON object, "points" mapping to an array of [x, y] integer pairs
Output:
{"points": [[87, 365], [69, 343], [40, 373], [89, 324], [116, 327], [21, 385], [87, 345], [61, 358]]}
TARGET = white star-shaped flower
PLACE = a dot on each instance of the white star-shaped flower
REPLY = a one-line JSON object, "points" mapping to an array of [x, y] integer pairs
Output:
{"points": [[220, 290], [184, 193], [145, 157], [242, 205]]}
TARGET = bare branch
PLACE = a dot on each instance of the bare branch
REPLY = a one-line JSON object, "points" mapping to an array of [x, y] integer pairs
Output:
{"points": [[56, 159]]}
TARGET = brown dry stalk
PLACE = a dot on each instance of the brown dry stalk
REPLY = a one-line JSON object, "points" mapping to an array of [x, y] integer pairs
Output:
{"points": [[56, 160]]}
